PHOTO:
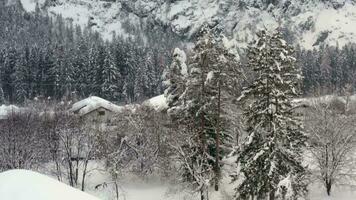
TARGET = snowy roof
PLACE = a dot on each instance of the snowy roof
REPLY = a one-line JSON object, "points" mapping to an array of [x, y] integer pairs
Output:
{"points": [[8, 110], [28, 185], [159, 103], [92, 103]]}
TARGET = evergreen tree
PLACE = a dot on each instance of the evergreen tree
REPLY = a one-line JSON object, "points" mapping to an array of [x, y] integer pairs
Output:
{"points": [[131, 89], [2, 97], [47, 78], [111, 86], [174, 77], [325, 71], [21, 84], [88, 75], [99, 70], [222, 88], [7, 75], [272, 154], [197, 100], [64, 59]]}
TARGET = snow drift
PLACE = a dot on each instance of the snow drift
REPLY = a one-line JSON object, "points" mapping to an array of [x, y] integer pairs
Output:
{"points": [[28, 185], [158, 103]]}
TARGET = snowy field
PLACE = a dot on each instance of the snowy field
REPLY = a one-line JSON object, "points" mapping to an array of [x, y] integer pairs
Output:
{"points": [[35, 186]]}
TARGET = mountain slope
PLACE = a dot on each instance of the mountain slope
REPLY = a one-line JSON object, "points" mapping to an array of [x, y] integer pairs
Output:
{"points": [[308, 23]]}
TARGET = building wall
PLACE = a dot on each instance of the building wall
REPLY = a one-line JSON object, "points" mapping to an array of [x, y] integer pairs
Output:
{"points": [[99, 116]]}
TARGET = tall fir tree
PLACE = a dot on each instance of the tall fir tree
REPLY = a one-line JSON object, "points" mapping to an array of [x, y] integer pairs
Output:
{"points": [[271, 157], [111, 86], [21, 84], [196, 100], [7, 74], [47, 77]]}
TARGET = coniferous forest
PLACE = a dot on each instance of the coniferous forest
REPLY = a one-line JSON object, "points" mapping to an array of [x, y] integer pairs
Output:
{"points": [[41, 56], [50, 57]]}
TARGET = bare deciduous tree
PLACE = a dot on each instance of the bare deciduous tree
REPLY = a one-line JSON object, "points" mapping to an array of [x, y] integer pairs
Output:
{"points": [[331, 144], [193, 166], [71, 145], [21, 142]]}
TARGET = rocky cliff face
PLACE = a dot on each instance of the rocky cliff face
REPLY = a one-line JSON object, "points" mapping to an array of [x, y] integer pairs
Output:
{"points": [[309, 23]]}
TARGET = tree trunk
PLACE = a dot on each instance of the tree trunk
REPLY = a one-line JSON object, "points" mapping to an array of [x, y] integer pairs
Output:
{"points": [[202, 115], [217, 140], [116, 190], [84, 174], [77, 169], [328, 185], [271, 195]]}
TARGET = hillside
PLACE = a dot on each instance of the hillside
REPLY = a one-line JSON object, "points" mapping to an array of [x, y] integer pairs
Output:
{"points": [[308, 23]]}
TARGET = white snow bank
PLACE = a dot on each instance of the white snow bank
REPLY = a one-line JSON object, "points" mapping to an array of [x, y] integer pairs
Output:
{"points": [[159, 103], [8, 110], [338, 192], [91, 103], [28, 185]]}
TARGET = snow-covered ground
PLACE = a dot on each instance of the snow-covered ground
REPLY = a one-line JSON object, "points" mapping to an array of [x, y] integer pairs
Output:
{"points": [[35, 186], [28, 185], [345, 192]]}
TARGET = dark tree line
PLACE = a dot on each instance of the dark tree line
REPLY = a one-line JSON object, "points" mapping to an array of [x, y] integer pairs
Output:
{"points": [[328, 70], [50, 57]]}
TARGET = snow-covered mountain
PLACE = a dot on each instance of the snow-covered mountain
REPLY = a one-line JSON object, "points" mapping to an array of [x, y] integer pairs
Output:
{"points": [[307, 22]]}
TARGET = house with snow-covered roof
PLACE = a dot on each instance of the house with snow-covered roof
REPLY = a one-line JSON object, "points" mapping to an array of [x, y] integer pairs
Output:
{"points": [[8, 110], [95, 109]]}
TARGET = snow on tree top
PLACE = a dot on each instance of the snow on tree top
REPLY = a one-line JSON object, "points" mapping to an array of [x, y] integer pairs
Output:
{"points": [[182, 58], [28, 185], [89, 104], [209, 77]]}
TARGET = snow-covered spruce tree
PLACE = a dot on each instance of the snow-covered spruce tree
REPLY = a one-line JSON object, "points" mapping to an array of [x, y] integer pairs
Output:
{"points": [[197, 101], [220, 89], [24, 75], [112, 78], [271, 157], [174, 77]]}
